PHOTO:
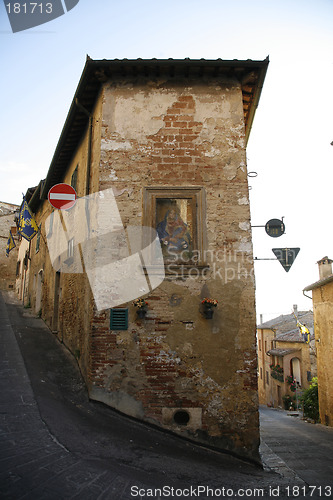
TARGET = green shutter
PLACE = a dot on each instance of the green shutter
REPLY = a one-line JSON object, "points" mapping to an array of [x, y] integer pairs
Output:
{"points": [[118, 319]]}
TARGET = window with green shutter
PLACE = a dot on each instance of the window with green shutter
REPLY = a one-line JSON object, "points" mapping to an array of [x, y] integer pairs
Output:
{"points": [[119, 319]]}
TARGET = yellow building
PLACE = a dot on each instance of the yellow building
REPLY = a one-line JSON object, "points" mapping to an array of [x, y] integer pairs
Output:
{"points": [[284, 356], [322, 297], [8, 211], [24, 260]]}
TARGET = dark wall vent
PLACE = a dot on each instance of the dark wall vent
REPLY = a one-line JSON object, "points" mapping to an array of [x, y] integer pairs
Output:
{"points": [[181, 417]]}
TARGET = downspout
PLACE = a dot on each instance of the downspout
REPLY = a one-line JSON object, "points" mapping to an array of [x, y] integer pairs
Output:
{"points": [[87, 113], [307, 296]]}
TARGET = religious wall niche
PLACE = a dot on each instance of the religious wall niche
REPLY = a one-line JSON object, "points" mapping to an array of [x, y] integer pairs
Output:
{"points": [[177, 214]]}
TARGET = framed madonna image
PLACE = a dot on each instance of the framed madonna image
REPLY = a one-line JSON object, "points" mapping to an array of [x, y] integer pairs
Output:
{"points": [[177, 216], [174, 225]]}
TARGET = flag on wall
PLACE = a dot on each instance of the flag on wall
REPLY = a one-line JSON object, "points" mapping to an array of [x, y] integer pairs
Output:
{"points": [[10, 244], [27, 225], [304, 331]]}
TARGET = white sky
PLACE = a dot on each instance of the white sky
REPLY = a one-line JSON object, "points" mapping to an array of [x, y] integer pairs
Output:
{"points": [[289, 146]]}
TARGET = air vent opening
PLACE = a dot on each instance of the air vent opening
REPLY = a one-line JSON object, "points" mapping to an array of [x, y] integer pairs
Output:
{"points": [[181, 417]]}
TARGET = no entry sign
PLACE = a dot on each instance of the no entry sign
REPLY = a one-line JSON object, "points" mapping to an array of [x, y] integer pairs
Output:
{"points": [[62, 196]]}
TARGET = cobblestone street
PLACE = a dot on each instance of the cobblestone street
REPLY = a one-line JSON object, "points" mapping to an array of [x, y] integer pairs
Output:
{"points": [[56, 444]]}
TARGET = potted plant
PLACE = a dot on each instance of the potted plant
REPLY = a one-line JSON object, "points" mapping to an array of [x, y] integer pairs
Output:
{"points": [[208, 305], [289, 402], [141, 305], [291, 382], [277, 372]]}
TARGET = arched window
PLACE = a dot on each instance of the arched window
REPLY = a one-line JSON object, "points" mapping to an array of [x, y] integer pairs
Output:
{"points": [[295, 366]]}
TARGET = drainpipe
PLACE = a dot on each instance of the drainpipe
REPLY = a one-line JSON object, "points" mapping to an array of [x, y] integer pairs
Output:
{"points": [[87, 113], [308, 296]]}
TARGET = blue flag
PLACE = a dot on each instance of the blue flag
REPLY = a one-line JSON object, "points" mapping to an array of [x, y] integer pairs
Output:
{"points": [[27, 225], [10, 244]]}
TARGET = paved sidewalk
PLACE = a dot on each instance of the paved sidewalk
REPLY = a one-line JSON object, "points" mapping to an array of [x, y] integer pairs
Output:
{"points": [[56, 444], [303, 447]]}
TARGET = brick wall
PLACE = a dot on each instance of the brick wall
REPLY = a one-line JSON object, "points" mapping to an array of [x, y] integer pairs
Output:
{"points": [[184, 135]]}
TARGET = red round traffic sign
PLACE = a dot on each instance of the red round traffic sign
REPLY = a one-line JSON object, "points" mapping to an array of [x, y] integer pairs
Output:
{"points": [[62, 196]]}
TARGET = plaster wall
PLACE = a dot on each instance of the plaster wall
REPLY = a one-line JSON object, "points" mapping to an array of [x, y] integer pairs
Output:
{"points": [[267, 385], [7, 264], [265, 381], [323, 322], [302, 352], [66, 302], [23, 265]]}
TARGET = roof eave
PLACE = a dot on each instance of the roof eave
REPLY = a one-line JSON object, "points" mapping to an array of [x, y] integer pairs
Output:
{"points": [[256, 99], [319, 283], [95, 78], [281, 352]]}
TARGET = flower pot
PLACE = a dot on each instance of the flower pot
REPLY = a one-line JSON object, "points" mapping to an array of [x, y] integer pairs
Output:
{"points": [[208, 312], [141, 313]]}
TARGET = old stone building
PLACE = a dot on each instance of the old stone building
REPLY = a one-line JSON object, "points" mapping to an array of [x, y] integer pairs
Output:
{"points": [[322, 298], [24, 260], [284, 355], [157, 144], [7, 264]]}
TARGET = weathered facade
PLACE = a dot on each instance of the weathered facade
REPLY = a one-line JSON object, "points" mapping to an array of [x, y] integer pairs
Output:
{"points": [[284, 355], [24, 262], [168, 137], [7, 264], [322, 297], [23, 270]]}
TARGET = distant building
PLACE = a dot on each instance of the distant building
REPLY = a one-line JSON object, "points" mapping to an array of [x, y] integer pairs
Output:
{"points": [[322, 297], [22, 272], [8, 264], [285, 355], [23, 259], [166, 141]]}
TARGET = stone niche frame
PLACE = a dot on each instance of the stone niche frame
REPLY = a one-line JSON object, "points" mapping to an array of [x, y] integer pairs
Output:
{"points": [[196, 199]]}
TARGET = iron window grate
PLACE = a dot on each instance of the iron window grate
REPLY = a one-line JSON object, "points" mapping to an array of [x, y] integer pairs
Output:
{"points": [[119, 319]]}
